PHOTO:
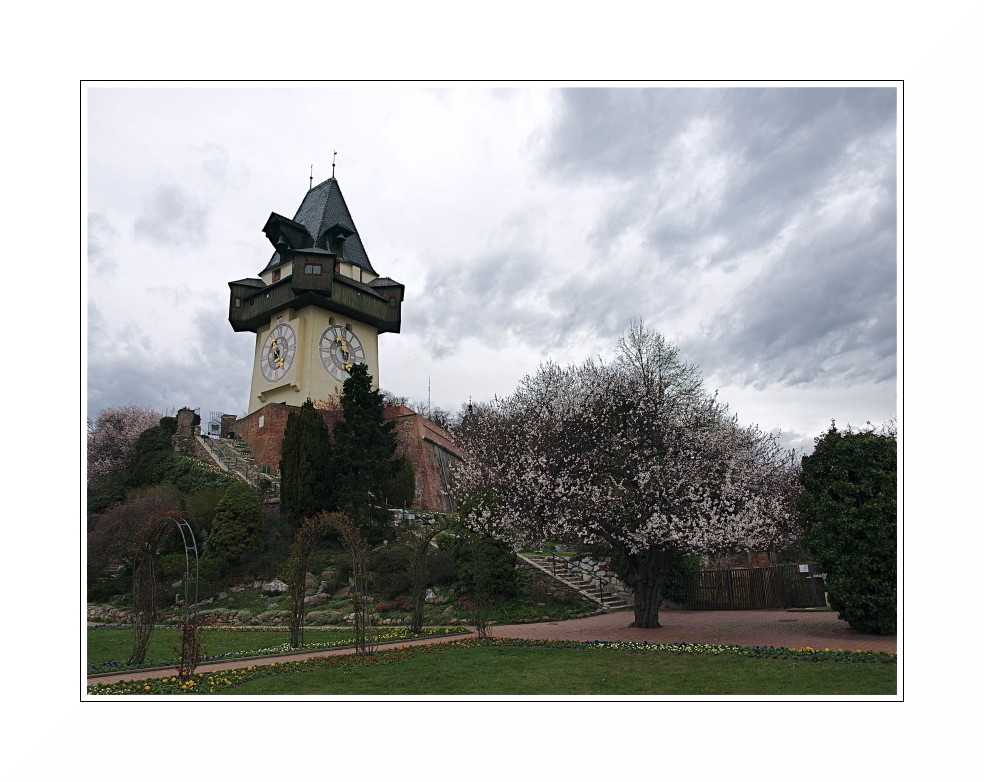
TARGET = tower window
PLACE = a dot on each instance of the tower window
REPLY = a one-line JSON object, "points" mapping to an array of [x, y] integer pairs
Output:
{"points": [[312, 268], [237, 302]]}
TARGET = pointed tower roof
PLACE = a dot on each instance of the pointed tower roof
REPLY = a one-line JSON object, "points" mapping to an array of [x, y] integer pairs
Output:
{"points": [[325, 216]]}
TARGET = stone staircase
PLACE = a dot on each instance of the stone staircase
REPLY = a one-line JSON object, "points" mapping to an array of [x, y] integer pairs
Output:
{"points": [[234, 456], [594, 590]]}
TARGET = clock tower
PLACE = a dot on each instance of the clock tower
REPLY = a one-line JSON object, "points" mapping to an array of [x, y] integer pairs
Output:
{"points": [[318, 306]]}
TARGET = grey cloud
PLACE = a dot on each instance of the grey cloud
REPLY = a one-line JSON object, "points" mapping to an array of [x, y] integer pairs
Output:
{"points": [[491, 297], [769, 148], [825, 311], [220, 167], [102, 234], [746, 179], [212, 373], [172, 216]]}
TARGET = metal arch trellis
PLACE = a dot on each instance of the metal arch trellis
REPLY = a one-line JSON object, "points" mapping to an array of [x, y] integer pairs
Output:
{"points": [[149, 543], [190, 548]]}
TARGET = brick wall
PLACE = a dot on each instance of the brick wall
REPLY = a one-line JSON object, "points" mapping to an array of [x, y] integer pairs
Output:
{"points": [[264, 440], [420, 440]]}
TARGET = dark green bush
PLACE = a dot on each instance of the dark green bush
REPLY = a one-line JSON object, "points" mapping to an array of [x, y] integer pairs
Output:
{"points": [[848, 509], [440, 567], [390, 568], [400, 488], [101, 586], [236, 528], [483, 564], [189, 475]]}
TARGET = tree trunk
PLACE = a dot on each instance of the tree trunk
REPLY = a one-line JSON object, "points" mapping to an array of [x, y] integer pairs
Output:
{"points": [[647, 573]]}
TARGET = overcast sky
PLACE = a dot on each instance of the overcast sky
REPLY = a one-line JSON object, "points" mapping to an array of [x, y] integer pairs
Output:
{"points": [[756, 227]]}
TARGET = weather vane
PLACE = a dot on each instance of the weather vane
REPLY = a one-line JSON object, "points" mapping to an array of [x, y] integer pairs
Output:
{"points": [[311, 178], [333, 163]]}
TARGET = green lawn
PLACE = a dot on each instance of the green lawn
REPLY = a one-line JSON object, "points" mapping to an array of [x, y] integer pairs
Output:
{"points": [[105, 645], [471, 668]]}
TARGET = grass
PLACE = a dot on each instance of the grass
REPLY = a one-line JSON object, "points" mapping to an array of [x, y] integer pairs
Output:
{"points": [[116, 643], [472, 667], [110, 647]]}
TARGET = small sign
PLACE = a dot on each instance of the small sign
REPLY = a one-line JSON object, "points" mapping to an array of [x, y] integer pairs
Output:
{"points": [[804, 568]]}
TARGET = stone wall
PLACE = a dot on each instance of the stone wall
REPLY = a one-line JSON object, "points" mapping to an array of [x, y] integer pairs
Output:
{"points": [[540, 581], [597, 569]]}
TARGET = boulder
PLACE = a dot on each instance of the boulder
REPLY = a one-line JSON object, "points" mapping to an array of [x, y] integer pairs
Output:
{"points": [[323, 618], [316, 600], [274, 587], [274, 617]]}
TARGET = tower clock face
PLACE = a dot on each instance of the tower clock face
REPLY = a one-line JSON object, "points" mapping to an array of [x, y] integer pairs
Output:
{"points": [[278, 351], [340, 349]]}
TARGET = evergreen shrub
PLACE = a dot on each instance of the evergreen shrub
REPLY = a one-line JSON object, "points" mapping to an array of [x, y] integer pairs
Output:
{"points": [[848, 509]]}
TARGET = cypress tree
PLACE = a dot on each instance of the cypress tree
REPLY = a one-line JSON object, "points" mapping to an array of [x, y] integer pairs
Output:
{"points": [[364, 461], [305, 465]]}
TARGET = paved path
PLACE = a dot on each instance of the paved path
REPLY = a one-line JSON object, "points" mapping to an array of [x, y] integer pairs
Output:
{"points": [[816, 629]]}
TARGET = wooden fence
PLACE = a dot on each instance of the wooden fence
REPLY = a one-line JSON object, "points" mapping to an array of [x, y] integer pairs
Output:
{"points": [[780, 586]]}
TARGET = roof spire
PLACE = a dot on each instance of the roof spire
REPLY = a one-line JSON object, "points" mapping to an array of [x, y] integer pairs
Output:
{"points": [[333, 163], [311, 178]]}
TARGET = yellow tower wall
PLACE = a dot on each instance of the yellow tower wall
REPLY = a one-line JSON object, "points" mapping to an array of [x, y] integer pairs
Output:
{"points": [[307, 377]]}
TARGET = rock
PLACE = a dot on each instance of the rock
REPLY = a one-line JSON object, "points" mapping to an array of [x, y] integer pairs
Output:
{"points": [[274, 587], [273, 617], [430, 597], [315, 600], [323, 618]]}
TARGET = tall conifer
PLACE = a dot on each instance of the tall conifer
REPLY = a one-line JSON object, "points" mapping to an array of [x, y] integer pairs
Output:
{"points": [[305, 465], [364, 458]]}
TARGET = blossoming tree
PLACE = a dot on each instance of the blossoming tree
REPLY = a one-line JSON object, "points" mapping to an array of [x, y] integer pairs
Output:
{"points": [[111, 439], [635, 454]]}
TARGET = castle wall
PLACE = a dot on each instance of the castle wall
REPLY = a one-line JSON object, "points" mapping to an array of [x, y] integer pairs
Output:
{"points": [[428, 447]]}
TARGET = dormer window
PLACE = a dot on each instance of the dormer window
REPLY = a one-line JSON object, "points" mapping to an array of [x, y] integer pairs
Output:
{"points": [[313, 269], [276, 274]]}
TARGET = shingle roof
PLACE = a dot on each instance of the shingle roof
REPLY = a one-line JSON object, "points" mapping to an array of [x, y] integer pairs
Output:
{"points": [[324, 206], [249, 281]]}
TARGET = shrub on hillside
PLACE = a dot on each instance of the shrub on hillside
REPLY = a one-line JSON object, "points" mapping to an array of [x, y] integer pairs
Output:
{"points": [[483, 563], [236, 527], [390, 568]]}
